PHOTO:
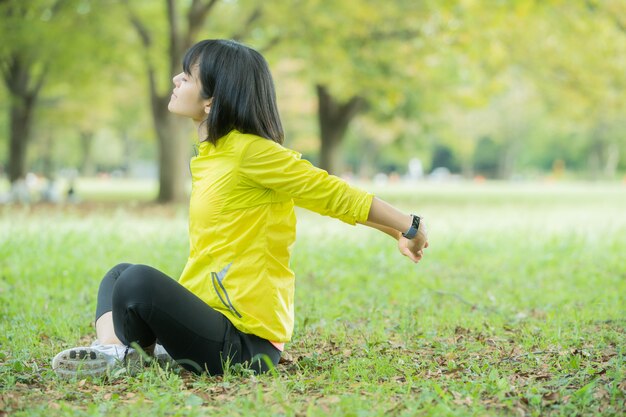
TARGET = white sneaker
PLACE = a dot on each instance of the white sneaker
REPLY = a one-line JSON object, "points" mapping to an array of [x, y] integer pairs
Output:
{"points": [[119, 352], [94, 361], [98, 360]]}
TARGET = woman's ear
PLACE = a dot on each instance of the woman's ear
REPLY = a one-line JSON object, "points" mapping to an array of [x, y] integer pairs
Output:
{"points": [[207, 105]]}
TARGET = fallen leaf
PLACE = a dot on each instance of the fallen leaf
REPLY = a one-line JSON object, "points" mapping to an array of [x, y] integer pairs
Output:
{"points": [[285, 357], [601, 394], [193, 400], [550, 397]]}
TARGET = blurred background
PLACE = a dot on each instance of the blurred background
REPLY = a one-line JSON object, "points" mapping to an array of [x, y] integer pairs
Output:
{"points": [[394, 91]]}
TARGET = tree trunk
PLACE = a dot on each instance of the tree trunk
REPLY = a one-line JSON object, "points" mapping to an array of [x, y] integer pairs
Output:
{"points": [[334, 118], [330, 155], [612, 160], [508, 159], [170, 129], [174, 152], [128, 152], [603, 153], [23, 79], [87, 168], [18, 77], [603, 159], [47, 160], [22, 107], [467, 168]]}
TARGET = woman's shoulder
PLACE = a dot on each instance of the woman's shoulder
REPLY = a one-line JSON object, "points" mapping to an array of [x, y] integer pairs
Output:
{"points": [[251, 144], [248, 138]]}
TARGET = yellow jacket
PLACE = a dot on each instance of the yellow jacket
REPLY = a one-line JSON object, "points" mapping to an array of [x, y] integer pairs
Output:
{"points": [[242, 226]]}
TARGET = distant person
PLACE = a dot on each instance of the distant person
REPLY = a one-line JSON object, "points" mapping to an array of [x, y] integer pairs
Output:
{"points": [[20, 191], [50, 193], [71, 193], [234, 300], [416, 169]]}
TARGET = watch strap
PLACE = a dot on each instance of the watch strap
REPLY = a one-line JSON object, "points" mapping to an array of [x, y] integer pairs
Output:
{"points": [[410, 234]]}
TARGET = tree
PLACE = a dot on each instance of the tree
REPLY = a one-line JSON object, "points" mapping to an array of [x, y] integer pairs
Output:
{"points": [[334, 117], [183, 28], [519, 64], [25, 66], [572, 53], [40, 48], [358, 55]]}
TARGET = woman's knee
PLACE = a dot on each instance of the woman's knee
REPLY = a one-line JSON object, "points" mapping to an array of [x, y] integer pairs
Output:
{"points": [[135, 282], [119, 268], [109, 279], [134, 296], [136, 276]]}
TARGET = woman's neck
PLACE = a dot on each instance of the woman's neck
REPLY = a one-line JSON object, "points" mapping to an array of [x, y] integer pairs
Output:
{"points": [[202, 133]]}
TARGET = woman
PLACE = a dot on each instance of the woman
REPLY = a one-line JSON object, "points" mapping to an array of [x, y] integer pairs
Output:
{"points": [[234, 300]]}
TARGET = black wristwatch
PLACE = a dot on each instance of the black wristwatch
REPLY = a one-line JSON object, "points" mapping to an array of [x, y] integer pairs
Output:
{"points": [[410, 234]]}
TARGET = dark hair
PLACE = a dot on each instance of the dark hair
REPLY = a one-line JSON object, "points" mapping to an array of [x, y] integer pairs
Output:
{"points": [[239, 81]]}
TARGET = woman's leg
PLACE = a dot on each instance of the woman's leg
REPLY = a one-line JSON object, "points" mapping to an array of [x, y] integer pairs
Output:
{"points": [[100, 358], [105, 331], [148, 305], [104, 314]]}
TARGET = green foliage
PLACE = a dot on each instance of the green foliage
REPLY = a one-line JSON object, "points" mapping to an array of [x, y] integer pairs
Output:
{"points": [[486, 157], [444, 157], [543, 80], [517, 309]]}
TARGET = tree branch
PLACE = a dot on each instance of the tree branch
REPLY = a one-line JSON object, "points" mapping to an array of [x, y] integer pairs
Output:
{"points": [[141, 29], [17, 76], [271, 44], [146, 40], [175, 50], [380, 35], [352, 107], [40, 80], [196, 17], [245, 30], [5, 68]]}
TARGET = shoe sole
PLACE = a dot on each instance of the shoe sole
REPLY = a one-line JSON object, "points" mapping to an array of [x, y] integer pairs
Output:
{"points": [[81, 362], [89, 362]]}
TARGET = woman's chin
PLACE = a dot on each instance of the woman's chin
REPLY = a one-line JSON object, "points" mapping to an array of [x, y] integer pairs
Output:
{"points": [[172, 108]]}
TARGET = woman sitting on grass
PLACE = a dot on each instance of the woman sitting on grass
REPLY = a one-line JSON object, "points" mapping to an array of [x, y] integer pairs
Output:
{"points": [[234, 300]]}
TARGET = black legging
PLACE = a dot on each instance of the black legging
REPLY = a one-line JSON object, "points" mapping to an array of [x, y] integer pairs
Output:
{"points": [[148, 306]]}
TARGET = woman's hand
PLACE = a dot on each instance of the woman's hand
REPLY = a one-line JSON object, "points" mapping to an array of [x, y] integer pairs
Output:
{"points": [[414, 248], [388, 219]]}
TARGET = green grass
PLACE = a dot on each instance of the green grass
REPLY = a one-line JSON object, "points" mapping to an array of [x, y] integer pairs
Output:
{"points": [[517, 309]]}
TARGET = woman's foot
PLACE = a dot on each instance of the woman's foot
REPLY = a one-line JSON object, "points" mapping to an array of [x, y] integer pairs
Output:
{"points": [[99, 360], [85, 361]]}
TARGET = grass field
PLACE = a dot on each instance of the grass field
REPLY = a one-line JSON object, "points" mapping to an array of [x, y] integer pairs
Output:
{"points": [[518, 309]]}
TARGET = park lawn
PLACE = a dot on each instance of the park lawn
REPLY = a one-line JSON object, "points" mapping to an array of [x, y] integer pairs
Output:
{"points": [[517, 309]]}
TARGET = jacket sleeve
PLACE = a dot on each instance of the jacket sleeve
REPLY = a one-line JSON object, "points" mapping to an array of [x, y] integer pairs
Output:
{"points": [[269, 165]]}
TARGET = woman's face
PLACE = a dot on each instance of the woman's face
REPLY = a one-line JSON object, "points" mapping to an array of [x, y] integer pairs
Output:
{"points": [[186, 99]]}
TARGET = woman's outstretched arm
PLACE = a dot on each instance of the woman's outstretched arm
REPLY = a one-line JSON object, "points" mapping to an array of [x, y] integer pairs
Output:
{"points": [[388, 219]]}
